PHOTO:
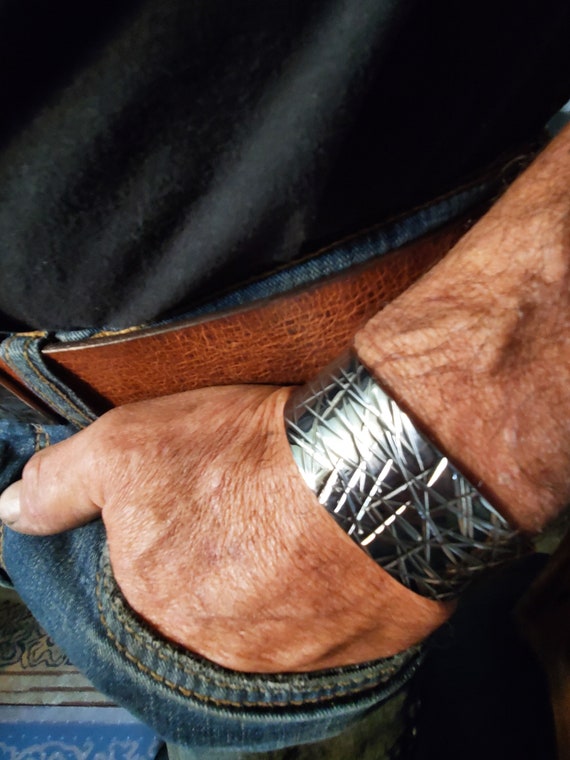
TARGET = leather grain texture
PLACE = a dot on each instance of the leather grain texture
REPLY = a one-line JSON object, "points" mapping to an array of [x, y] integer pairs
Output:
{"points": [[284, 340]]}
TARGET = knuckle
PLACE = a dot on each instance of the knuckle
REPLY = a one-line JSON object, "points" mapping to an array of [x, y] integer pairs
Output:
{"points": [[106, 434], [116, 427], [32, 471], [110, 421], [116, 451]]}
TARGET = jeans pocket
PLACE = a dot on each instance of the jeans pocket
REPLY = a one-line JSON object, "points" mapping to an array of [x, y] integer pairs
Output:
{"points": [[68, 584]]}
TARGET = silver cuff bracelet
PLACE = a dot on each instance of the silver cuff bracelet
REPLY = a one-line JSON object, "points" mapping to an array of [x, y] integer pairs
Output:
{"points": [[388, 486]]}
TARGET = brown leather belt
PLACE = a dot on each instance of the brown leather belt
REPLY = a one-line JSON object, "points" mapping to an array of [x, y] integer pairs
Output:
{"points": [[283, 340]]}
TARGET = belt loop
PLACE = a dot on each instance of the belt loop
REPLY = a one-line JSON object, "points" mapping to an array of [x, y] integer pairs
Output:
{"points": [[24, 373]]}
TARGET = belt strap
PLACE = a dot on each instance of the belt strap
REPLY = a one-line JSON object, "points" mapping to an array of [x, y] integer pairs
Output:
{"points": [[284, 340]]}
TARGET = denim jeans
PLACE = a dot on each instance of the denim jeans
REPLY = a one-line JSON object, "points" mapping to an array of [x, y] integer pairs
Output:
{"points": [[67, 581]]}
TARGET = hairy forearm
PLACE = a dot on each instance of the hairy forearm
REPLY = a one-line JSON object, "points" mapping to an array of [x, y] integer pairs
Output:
{"points": [[479, 350]]}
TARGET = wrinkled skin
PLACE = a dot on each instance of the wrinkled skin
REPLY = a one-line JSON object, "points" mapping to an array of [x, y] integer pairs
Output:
{"points": [[215, 539]]}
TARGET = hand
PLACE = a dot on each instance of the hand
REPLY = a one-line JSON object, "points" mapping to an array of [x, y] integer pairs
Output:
{"points": [[214, 537]]}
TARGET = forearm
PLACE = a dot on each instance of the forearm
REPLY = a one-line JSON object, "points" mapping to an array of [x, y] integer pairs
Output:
{"points": [[202, 485], [479, 350]]}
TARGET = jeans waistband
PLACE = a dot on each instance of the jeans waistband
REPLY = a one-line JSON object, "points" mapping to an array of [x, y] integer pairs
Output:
{"points": [[21, 353]]}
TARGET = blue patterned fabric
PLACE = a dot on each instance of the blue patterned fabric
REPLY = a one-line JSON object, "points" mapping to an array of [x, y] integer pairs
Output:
{"points": [[74, 733]]}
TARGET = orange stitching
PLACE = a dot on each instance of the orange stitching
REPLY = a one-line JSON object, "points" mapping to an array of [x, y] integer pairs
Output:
{"points": [[343, 681], [188, 692], [37, 434], [222, 684], [202, 697], [42, 439], [28, 334], [38, 374], [113, 333]]}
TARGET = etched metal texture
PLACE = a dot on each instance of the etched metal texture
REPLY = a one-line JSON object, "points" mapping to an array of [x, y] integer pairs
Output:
{"points": [[389, 487]]}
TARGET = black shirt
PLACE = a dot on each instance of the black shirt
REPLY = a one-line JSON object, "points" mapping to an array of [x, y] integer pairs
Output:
{"points": [[152, 153]]}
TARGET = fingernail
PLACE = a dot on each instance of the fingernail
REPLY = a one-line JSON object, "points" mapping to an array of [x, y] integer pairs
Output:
{"points": [[10, 503]]}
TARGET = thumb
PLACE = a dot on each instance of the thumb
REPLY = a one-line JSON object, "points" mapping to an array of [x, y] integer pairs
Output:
{"points": [[54, 493]]}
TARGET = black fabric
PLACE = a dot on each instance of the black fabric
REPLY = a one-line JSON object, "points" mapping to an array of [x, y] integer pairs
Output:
{"points": [[154, 152], [481, 690]]}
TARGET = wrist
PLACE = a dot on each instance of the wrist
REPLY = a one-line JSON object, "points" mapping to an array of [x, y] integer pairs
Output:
{"points": [[389, 488], [378, 616], [478, 351]]}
